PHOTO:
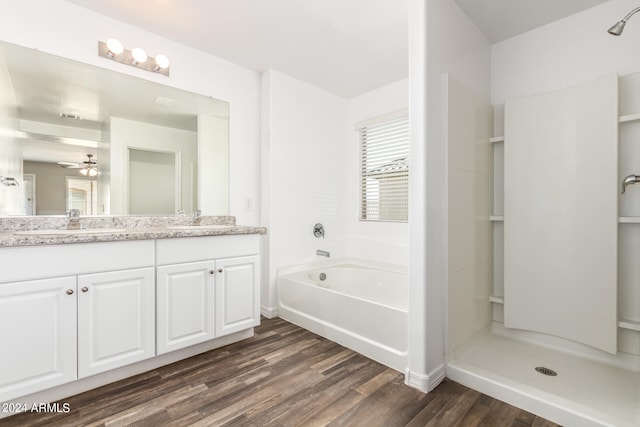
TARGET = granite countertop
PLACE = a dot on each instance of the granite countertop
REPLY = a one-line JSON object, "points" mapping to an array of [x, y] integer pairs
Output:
{"points": [[113, 228]]}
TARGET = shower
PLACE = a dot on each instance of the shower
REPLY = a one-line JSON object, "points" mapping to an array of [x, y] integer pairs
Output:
{"points": [[617, 28]]}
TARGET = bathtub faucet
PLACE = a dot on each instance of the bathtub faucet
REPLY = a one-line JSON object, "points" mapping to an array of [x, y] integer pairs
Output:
{"points": [[320, 252]]}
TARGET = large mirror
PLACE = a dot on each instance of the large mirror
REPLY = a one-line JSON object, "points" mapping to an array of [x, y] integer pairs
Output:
{"points": [[78, 136]]}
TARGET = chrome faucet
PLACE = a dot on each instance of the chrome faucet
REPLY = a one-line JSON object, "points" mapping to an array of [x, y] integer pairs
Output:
{"points": [[73, 219], [631, 179], [196, 217], [320, 252]]}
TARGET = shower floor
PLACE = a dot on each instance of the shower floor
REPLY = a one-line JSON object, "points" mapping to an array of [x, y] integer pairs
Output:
{"points": [[584, 393]]}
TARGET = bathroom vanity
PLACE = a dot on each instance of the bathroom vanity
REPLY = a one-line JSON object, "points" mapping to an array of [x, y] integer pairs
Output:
{"points": [[82, 309]]}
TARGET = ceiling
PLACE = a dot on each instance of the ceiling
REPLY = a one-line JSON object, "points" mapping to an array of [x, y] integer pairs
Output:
{"points": [[501, 19], [347, 47]]}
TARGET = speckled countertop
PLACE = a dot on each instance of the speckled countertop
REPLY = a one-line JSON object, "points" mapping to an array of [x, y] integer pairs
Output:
{"points": [[120, 228]]}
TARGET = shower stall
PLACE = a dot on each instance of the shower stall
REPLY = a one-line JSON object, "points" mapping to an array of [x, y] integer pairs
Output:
{"points": [[543, 284]]}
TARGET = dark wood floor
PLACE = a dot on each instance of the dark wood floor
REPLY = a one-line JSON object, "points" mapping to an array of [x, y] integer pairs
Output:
{"points": [[283, 376]]}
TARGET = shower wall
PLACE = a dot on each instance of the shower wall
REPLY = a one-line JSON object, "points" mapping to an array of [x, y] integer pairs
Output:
{"points": [[628, 300], [469, 176], [563, 54], [560, 213]]}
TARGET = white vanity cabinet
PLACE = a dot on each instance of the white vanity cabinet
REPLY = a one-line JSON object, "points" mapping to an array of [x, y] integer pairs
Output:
{"points": [[207, 287], [38, 335], [80, 310], [116, 319], [237, 294], [76, 316], [185, 305]]}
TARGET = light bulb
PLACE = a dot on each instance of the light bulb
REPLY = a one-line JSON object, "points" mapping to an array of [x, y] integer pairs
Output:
{"points": [[115, 47], [84, 171], [93, 172], [162, 61], [139, 54]]}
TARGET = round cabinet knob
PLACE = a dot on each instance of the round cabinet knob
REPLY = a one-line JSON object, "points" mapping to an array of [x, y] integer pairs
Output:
{"points": [[84, 289], [69, 291], [220, 270], [211, 271]]}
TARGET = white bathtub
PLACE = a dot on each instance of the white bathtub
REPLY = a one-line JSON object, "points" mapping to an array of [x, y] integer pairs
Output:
{"points": [[359, 304]]}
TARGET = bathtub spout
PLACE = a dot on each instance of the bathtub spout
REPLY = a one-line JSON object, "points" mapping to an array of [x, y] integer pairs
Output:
{"points": [[320, 252], [631, 179]]}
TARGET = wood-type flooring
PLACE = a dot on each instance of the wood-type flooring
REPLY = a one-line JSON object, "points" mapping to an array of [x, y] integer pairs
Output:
{"points": [[283, 376]]}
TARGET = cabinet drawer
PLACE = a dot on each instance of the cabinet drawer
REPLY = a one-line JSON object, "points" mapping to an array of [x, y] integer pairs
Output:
{"points": [[190, 249], [35, 262]]}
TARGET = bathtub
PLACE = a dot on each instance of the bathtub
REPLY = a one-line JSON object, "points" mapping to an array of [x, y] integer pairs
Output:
{"points": [[358, 304]]}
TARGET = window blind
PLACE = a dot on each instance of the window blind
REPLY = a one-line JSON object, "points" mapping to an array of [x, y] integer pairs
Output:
{"points": [[384, 166]]}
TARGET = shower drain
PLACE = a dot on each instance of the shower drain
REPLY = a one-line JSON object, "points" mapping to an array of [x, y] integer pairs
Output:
{"points": [[546, 371]]}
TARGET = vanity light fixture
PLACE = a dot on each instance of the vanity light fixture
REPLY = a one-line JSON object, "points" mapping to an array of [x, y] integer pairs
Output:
{"points": [[161, 62], [139, 55], [114, 47], [136, 57]]}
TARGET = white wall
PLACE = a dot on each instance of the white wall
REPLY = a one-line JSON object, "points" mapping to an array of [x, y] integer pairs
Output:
{"points": [[442, 40], [127, 134], [11, 198], [213, 165], [386, 242], [311, 166], [51, 186], [567, 52], [469, 231], [304, 152], [67, 30]]}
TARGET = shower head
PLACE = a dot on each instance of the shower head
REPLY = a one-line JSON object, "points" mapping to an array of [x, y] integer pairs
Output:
{"points": [[617, 28]]}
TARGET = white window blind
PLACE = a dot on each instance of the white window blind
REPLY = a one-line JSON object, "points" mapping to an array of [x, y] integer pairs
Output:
{"points": [[384, 166]]}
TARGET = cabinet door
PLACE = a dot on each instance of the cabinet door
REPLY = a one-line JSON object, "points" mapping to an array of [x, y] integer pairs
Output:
{"points": [[38, 332], [116, 322], [237, 294], [185, 305]]}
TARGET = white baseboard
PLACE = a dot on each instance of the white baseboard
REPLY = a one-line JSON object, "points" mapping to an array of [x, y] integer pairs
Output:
{"points": [[425, 383], [269, 312]]}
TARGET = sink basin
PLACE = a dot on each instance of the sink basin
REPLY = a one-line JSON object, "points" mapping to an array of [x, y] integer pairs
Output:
{"points": [[65, 231], [200, 227]]}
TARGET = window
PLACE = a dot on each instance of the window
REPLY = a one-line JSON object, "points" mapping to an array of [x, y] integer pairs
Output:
{"points": [[82, 194], [384, 169]]}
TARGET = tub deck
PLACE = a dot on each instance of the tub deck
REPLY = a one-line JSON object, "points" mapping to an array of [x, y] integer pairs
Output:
{"points": [[364, 311]]}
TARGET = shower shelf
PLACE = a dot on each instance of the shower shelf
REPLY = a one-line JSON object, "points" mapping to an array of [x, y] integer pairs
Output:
{"points": [[629, 220], [628, 118], [498, 299], [629, 324], [499, 218]]}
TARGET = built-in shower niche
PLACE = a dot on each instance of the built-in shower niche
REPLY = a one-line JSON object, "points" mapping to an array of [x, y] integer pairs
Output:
{"points": [[628, 279], [629, 216], [629, 138]]}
